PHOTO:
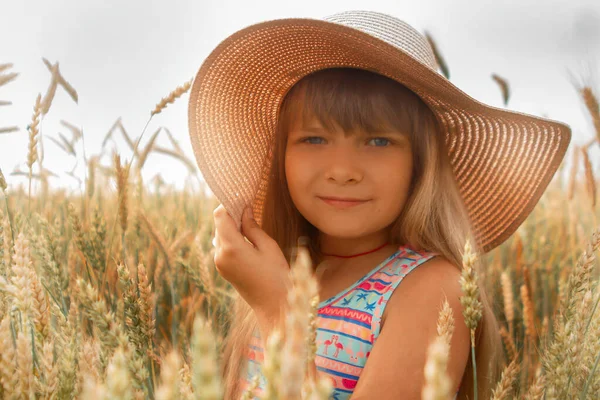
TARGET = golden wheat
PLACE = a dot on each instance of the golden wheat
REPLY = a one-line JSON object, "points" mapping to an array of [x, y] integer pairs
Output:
{"points": [[573, 173], [63, 82], [205, 377], [591, 103], [437, 382], [122, 174], [507, 380], [83, 316], [174, 95], [528, 314], [509, 344], [508, 300], [590, 180], [49, 96]]}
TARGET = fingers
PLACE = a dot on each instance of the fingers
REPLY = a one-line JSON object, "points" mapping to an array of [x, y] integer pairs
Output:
{"points": [[226, 232]]}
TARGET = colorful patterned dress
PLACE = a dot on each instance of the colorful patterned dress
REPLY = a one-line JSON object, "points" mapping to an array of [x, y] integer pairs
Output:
{"points": [[348, 324]]}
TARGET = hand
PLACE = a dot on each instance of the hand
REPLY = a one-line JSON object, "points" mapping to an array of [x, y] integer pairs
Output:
{"points": [[257, 269]]}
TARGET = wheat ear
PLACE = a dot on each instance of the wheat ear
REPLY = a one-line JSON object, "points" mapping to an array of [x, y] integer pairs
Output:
{"points": [[437, 382], [504, 386], [32, 154], [175, 94], [472, 307]]}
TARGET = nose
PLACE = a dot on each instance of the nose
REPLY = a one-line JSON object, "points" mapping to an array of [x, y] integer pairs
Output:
{"points": [[343, 165]]}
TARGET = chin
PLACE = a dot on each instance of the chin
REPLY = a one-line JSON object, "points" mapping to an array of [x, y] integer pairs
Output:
{"points": [[340, 227]]}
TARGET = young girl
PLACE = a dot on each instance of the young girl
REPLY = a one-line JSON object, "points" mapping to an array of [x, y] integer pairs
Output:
{"points": [[287, 116]]}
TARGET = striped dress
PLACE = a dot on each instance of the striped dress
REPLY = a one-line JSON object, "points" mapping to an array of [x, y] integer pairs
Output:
{"points": [[348, 324]]}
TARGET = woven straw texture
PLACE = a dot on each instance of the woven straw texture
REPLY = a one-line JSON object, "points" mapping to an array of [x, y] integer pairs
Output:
{"points": [[502, 160]]}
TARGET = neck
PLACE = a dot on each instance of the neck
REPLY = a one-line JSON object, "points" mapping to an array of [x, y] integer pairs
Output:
{"points": [[332, 264], [342, 246]]}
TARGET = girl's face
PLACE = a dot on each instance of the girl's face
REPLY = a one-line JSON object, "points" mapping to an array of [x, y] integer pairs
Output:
{"points": [[372, 167]]}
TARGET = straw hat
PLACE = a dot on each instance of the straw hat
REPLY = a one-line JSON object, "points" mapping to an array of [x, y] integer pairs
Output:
{"points": [[502, 160]]}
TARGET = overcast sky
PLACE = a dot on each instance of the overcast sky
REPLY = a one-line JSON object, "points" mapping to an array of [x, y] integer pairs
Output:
{"points": [[124, 56]]}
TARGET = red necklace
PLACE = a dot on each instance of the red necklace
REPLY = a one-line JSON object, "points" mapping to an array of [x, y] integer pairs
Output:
{"points": [[356, 255]]}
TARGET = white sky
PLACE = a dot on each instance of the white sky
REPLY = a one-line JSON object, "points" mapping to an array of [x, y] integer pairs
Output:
{"points": [[124, 56]]}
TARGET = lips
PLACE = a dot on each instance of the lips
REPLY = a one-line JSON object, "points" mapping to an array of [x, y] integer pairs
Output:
{"points": [[341, 198], [342, 203]]}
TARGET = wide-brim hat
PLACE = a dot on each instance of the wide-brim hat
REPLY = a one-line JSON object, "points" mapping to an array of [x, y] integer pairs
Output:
{"points": [[502, 160]]}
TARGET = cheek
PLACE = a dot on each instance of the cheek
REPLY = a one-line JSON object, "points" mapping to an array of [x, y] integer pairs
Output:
{"points": [[294, 174], [394, 188]]}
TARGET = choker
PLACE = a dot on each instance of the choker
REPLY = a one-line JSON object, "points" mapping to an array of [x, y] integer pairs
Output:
{"points": [[356, 255]]}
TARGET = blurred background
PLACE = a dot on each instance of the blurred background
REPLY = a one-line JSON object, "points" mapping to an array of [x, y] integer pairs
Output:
{"points": [[122, 57]]}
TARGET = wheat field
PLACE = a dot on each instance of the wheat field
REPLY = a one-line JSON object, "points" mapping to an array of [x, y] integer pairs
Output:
{"points": [[127, 304]]}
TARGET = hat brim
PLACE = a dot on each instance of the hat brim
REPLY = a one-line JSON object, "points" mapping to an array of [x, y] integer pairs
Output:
{"points": [[502, 160]]}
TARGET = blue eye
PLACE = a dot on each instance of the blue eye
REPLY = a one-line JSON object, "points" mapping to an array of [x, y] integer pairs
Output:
{"points": [[380, 138], [308, 139], [305, 140]]}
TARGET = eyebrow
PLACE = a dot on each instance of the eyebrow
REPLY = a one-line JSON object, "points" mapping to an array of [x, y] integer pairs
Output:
{"points": [[319, 130]]}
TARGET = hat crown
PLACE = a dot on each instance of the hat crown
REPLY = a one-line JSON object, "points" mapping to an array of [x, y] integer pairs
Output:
{"points": [[391, 30]]}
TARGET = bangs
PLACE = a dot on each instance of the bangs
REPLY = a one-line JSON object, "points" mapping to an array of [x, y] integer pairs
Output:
{"points": [[352, 100]]}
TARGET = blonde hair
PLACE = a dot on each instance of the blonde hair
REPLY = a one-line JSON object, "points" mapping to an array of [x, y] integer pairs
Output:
{"points": [[434, 217]]}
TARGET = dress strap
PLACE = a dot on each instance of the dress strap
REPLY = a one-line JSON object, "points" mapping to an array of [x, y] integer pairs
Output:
{"points": [[391, 276]]}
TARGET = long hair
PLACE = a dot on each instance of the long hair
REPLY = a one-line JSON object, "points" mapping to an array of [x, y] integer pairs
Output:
{"points": [[433, 219]]}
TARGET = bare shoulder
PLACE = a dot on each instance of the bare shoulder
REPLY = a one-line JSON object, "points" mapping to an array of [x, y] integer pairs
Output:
{"points": [[426, 285], [411, 325]]}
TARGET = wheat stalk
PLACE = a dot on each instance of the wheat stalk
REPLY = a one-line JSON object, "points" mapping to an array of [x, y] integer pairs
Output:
{"points": [[4, 67], [9, 129], [3, 185], [40, 306], [175, 94], [536, 390], [169, 374], [591, 103], [445, 323], [49, 370], [32, 155], [159, 239], [518, 249], [573, 173], [25, 365], [590, 181], [511, 348], [507, 296], [271, 367], [472, 307], [205, 378], [89, 359], [528, 314], [508, 378], [437, 382], [441, 62], [560, 356], [122, 175], [185, 379], [4, 79], [118, 385], [147, 302], [8, 358], [504, 87], [295, 348], [61, 81], [20, 270], [49, 96]]}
